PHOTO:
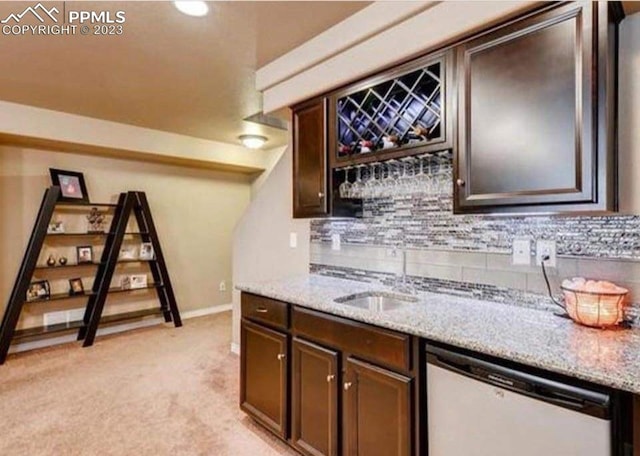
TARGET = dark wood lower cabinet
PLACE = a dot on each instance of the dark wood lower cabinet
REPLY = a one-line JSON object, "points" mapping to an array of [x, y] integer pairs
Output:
{"points": [[264, 376], [377, 411], [314, 399]]}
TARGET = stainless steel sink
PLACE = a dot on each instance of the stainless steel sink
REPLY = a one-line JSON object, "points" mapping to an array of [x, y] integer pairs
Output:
{"points": [[377, 301]]}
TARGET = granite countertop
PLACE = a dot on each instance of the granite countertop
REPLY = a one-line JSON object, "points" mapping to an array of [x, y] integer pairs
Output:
{"points": [[532, 337]]}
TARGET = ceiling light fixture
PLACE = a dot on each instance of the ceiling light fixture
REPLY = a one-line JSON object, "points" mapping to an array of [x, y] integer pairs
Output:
{"points": [[192, 8], [252, 141]]}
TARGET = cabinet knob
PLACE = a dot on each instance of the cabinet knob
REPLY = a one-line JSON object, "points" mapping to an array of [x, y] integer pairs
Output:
{"points": [[460, 182], [281, 356], [347, 385], [330, 378], [262, 310], [320, 195]]}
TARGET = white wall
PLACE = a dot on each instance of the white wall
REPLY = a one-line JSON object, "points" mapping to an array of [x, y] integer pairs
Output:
{"points": [[261, 239], [195, 212]]}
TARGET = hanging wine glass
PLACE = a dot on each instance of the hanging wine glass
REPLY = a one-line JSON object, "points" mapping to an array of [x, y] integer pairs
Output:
{"points": [[357, 186], [345, 186]]}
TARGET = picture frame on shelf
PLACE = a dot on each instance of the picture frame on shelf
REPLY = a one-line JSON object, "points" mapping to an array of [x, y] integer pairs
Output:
{"points": [[76, 287], [72, 185], [84, 254], [96, 221], [128, 252], [146, 251], [134, 282], [56, 227], [38, 290]]}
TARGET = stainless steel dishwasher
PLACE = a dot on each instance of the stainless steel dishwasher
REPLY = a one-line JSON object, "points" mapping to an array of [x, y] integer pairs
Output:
{"points": [[478, 408]]}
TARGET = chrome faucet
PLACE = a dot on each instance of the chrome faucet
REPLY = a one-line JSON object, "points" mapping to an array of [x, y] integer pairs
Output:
{"points": [[402, 285]]}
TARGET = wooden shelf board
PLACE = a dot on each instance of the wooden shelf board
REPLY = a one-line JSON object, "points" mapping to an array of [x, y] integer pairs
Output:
{"points": [[45, 330], [152, 286], [131, 315], [133, 233], [60, 297], [84, 204], [66, 266]]}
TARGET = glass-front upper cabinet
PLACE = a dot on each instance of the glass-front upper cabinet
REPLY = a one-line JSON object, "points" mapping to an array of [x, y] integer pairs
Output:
{"points": [[403, 111]]}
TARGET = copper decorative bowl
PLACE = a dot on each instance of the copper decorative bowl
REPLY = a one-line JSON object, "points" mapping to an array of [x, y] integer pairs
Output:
{"points": [[599, 309]]}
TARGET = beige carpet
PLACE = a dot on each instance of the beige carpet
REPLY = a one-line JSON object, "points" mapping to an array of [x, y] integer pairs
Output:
{"points": [[154, 391]]}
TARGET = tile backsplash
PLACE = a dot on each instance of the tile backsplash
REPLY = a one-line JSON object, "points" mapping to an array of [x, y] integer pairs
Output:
{"points": [[470, 254], [427, 222]]}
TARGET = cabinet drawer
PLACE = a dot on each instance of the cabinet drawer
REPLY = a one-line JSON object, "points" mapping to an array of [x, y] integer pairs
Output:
{"points": [[265, 310], [376, 344]]}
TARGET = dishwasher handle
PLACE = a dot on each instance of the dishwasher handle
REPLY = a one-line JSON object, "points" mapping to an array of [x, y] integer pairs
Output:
{"points": [[561, 394]]}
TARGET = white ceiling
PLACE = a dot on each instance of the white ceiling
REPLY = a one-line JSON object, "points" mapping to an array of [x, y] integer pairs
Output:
{"points": [[168, 71]]}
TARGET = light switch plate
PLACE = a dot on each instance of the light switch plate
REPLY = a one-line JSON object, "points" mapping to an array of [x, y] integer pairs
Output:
{"points": [[521, 253], [335, 242], [546, 248], [293, 240]]}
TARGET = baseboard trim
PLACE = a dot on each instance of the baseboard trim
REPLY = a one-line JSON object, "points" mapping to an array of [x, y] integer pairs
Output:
{"points": [[235, 348], [26, 346]]}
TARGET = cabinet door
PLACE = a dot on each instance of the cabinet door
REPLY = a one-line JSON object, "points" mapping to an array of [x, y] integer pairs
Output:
{"points": [[314, 399], [535, 130], [377, 411], [310, 160], [263, 376]]}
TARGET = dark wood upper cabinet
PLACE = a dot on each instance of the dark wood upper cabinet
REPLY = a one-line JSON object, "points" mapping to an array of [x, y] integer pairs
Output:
{"points": [[314, 397], [310, 197], [264, 376], [377, 411], [536, 113]]}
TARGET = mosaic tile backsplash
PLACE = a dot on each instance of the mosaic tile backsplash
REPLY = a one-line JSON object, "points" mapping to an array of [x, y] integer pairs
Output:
{"points": [[425, 222], [420, 220]]}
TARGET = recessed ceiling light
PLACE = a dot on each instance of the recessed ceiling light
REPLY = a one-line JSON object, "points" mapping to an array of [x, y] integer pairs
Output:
{"points": [[192, 8], [252, 141]]}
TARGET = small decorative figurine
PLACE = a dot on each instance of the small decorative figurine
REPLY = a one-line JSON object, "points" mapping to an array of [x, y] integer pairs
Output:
{"points": [[51, 261], [55, 227], [96, 221], [62, 260]]}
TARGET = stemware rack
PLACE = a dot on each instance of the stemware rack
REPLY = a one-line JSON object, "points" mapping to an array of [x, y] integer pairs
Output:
{"points": [[428, 174]]}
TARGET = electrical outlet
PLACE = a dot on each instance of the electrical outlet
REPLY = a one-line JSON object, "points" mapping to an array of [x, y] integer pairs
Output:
{"points": [[293, 240], [546, 248], [521, 254], [223, 286], [335, 242]]}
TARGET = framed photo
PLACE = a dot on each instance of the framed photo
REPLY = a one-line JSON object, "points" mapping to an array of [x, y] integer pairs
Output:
{"points": [[76, 287], [72, 186], [127, 252], [84, 254], [38, 290], [56, 227], [146, 251], [132, 282]]}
